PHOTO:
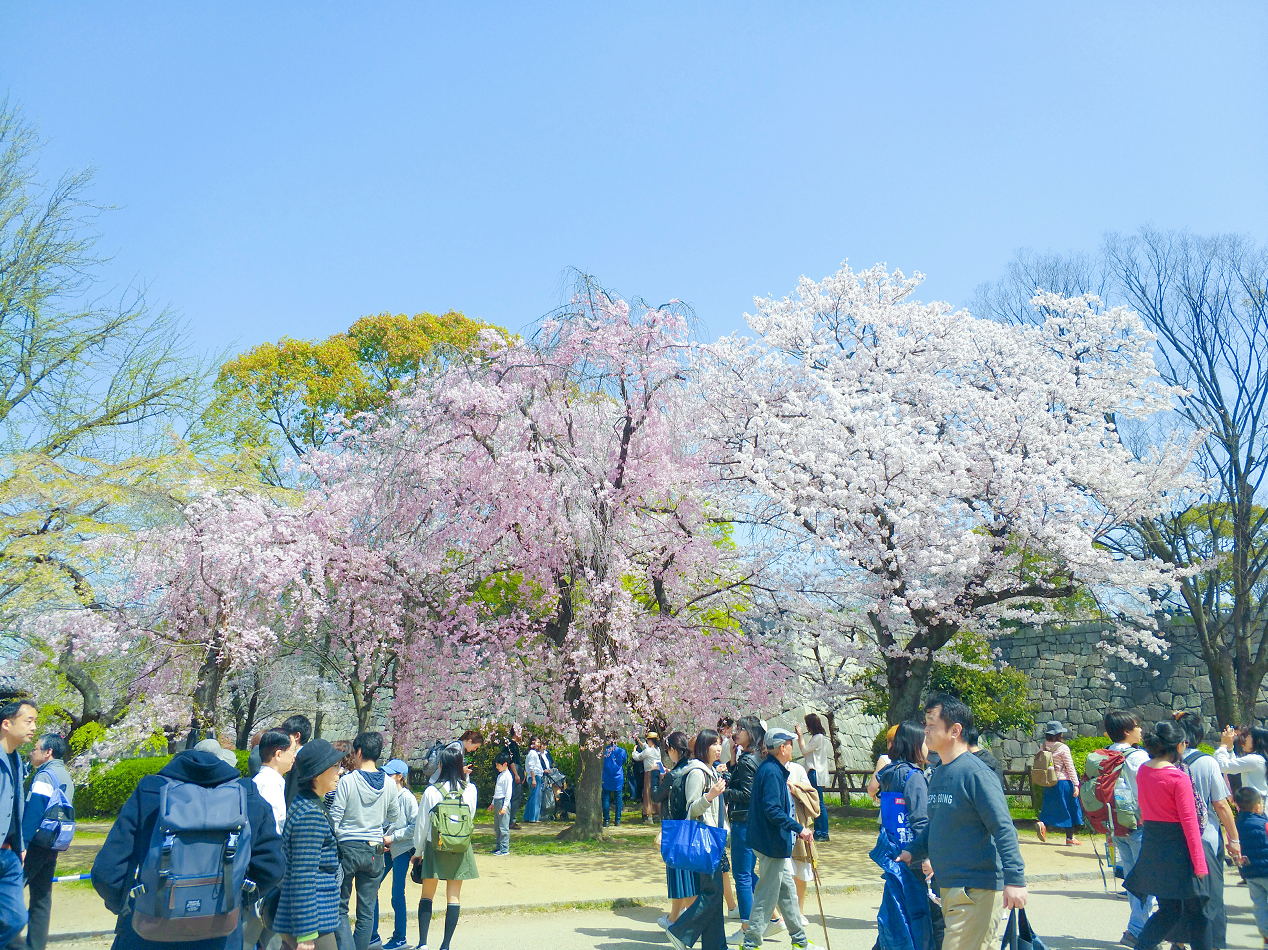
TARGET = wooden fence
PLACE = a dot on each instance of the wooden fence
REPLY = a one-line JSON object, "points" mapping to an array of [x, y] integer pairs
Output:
{"points": [[854, 782]]}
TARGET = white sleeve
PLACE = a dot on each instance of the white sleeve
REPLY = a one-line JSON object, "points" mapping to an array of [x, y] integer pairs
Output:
{"points": [[422, 826], [1234, 764], [471, 796]]}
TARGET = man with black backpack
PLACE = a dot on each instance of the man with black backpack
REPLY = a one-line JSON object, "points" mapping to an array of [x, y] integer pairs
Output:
{"points": [[190, 848], [52, 789]]}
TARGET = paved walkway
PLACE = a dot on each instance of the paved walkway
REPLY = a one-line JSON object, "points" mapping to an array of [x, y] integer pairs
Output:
{"points": [[546, 882], [1067, 915]]}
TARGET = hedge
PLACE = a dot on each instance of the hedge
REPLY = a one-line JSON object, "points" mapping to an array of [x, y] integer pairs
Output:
{"points": [[108, 789]]}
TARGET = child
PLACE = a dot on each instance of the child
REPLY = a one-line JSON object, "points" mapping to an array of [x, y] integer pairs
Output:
{"points": [[501, 806], [1254, 838]]}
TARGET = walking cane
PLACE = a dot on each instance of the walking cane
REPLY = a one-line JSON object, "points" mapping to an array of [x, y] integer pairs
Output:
{"points": [[814, 869]]}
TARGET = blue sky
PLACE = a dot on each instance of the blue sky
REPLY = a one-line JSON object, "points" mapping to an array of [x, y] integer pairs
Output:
{"points": [[282, 169]]}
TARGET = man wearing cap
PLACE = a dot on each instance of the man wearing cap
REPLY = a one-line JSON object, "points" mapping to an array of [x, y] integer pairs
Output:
{"points": [[401, 849], [115, 868], [771, 832]]}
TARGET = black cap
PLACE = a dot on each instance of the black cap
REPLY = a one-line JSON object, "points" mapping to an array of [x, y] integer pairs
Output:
{"points": [[317, 756]]}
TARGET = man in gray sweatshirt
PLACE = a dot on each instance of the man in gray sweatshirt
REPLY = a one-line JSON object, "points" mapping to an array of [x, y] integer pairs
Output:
{"points": [[365, 806], [970, 839]]}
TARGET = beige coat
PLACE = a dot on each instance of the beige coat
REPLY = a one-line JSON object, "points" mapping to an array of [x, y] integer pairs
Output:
{"points": [[805, 809]]}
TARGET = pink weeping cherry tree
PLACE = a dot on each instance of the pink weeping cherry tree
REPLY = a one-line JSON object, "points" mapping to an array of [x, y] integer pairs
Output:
{"points": [[938, 472], [554, 505]]}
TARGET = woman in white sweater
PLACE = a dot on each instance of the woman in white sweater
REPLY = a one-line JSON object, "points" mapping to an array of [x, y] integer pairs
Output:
{"points": [[432, 865], [704, 920], [1252, 763], [649, 755]]}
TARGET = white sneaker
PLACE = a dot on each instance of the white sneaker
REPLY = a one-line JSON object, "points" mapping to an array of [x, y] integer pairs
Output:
{"points": [[736, 939], [734, 912], [674, 941], [774, 929], [663, 920]]}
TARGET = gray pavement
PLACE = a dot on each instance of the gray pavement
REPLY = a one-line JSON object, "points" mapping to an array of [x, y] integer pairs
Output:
{"points": [[1067, 915]]}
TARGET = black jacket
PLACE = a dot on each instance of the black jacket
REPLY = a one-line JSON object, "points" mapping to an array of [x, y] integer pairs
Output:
{"points": [[115, 869], [666, 787], [739, 788]]}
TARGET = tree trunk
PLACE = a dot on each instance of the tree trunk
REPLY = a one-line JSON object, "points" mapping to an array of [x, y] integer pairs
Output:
{"points": [[906, 678], [207, 693], [320, 713], [589, 792]]}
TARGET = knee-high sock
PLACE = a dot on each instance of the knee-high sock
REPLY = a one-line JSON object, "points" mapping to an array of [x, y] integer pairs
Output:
{"points": [[451, 924], [424, 919]]}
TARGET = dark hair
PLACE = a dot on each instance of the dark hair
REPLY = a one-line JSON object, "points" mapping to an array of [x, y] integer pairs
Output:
{"points": [[502, 758], [273, 742], [1163, 741], [704, 739], [725, 722], [815, 725], [1118, 723], [952, 711], [1247, 797], [971, 735], [1194, 725], [472, 735], [753, 726], [909, 742], [678, 741], [55, 744], [451, 771], [299, 725], [370, 745], [9, 711], [1258, 740]]}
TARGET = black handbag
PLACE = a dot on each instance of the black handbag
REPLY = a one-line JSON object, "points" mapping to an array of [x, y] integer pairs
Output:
{"points": [[1018, 935]]}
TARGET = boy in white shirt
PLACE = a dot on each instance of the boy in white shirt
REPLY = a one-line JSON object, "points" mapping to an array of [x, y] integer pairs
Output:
{"points": [[277, 755], [501, 806]]}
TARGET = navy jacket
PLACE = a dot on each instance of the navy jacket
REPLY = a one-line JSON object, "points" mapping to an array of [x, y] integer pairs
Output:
{"points": [[115, 869], [7, 779], [53, 772], [771, 826], [1253, 832]]}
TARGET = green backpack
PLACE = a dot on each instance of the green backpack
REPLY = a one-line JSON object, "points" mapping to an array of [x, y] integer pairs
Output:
{"points": [[451, 822]]}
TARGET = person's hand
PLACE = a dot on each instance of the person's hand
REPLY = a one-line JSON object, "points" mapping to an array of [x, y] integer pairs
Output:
{"points": [[1228, 737], [806, 834], [715, 790], [905, 857], [466, 770], [504, 809], [1014, 896], [490, 807], [387, 840], [797, 729], [1234, 849], [927, 868]]}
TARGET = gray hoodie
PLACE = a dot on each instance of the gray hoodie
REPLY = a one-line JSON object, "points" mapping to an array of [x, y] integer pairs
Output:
{"points": [[365, 805]]}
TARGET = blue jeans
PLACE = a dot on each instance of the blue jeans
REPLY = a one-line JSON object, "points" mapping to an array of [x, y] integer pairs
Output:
{"points": [[742, 864], [1128, 854], [612, 796], [1258, 887], [533, 804], [821, 823], [12, 904], [400, 871]]}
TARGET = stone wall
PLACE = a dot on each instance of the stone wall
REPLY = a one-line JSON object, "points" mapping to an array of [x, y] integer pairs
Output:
{"points": [[1068, 682]]}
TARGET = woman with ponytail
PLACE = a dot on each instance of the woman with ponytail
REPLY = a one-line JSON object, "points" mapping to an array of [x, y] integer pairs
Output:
{"points": [[1172, 864]]}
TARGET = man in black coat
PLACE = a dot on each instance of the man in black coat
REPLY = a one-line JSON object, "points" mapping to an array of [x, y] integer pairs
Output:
{"points": [[115, 869]]}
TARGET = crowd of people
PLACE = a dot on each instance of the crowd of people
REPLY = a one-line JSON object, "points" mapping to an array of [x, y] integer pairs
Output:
{"points": [[315, 822]]}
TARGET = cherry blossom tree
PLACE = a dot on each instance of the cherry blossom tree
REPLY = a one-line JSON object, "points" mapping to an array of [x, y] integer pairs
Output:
{"points": [[940, 472], [553, 507]]}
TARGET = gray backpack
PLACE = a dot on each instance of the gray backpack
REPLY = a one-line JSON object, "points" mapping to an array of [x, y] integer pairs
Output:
{"points": [[190, 885]]}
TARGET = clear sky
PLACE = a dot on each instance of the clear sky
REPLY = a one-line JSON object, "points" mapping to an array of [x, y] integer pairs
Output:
{"points": [[282, 169]]}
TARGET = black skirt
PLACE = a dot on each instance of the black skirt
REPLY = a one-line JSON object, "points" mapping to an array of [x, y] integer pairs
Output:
{"points": [[1164, 868]]}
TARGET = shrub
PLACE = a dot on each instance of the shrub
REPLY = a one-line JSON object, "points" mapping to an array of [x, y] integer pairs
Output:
{"points": [[109, 788]]}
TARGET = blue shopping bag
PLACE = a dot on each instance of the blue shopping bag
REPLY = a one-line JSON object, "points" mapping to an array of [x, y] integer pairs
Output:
{"points": [[692, 845]]}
